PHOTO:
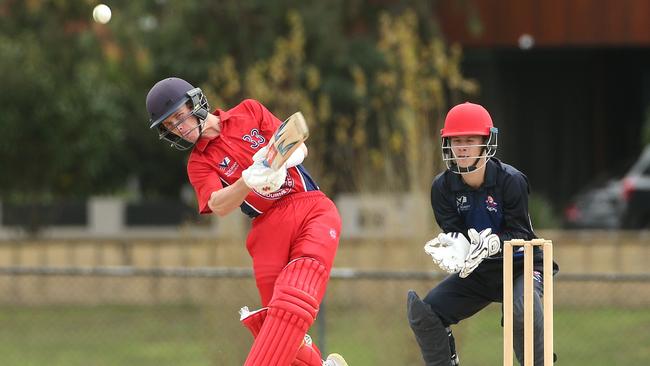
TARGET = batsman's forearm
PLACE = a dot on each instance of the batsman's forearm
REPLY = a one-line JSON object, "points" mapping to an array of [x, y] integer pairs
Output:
{"points": [[223, 201]]}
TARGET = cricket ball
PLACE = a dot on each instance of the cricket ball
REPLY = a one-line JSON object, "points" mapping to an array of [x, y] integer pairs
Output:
{"points": [[102, 13]]}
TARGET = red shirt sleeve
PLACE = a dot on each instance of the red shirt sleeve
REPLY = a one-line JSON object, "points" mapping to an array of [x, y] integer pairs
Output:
{"points": [[205, 180]]}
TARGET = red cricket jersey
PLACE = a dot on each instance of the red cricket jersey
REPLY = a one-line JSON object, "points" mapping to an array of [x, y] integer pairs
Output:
{"points": [[217, 163]]}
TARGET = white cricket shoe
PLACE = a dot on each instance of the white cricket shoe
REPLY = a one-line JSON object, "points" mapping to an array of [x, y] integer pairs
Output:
{"points": [[335, 359]]}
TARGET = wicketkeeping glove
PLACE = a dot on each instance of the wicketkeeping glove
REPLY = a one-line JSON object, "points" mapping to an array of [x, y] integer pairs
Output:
{"points": [[264, 179], [482, 245], [448, 251]]}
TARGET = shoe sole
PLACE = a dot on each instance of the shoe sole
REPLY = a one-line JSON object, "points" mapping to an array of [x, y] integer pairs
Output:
{"points": [[338, 359]]}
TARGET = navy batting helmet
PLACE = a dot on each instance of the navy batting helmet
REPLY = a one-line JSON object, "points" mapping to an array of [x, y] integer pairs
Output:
{"points": [[165, 98]]}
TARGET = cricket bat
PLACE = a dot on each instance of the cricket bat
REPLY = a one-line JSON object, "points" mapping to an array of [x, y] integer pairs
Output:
{"points": [[285, 140]]}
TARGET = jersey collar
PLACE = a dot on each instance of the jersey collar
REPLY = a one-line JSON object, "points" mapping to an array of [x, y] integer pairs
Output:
{"points": [[203, 142], [490, 173], [457, 183]]}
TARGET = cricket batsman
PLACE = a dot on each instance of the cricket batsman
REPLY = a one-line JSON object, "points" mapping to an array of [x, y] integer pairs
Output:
{"points": [[295, 228], [478, 202]]}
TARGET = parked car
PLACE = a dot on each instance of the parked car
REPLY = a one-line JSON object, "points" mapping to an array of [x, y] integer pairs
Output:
{"points": [[636, 194], [600, 207], [619, 203]]}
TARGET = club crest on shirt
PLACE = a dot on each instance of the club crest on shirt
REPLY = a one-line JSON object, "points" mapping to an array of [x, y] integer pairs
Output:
{"points": [[225, 166], [462, 203], [490, 204]]}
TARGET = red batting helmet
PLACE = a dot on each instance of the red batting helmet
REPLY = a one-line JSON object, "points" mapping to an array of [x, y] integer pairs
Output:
{"points": [[467, 119]]}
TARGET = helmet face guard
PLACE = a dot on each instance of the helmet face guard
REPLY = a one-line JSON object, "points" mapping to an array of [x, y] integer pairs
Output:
{"points": [[198, 108], [165, 98], [468, 119], [488, 150]]}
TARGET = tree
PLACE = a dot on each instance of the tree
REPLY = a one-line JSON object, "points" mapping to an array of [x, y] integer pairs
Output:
{"points": [[373, 79], [385, 137]]}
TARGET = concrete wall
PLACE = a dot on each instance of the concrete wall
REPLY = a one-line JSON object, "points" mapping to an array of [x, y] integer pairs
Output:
{"points": [[364, 216], [578, 253]]}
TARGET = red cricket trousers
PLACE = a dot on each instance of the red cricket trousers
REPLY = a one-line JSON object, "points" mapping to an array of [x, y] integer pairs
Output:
{"points": [[305, 224]]}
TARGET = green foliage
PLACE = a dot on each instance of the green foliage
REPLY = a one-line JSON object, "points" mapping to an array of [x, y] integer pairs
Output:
{"points": [[65, 117], [375, 126], [541, 213], [373, 79]]}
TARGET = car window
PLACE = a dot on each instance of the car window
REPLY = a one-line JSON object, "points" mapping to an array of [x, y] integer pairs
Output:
{"points": [[646, 171], [643, 164]]}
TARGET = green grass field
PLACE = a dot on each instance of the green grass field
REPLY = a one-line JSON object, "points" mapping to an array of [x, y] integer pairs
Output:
{"points": [[208, 335]]}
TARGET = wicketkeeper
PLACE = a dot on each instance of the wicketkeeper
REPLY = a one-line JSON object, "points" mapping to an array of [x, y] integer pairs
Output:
{"points": [[295, 228], [479, 202]]}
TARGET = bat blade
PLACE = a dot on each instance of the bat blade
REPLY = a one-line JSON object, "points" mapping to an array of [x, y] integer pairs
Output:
{"points": [[286, 139]]}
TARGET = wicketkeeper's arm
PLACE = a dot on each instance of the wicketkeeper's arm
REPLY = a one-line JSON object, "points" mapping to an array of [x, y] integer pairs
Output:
{"points": [[516, 220], [444, 208]]}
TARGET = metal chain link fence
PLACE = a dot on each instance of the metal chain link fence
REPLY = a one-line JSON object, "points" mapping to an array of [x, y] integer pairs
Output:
{"points": [[171, 303]]}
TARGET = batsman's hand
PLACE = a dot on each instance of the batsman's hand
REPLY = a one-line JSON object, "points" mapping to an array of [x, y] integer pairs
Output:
{"points": [[448, 251], [260, 155], [296, 157], [483, 245], [263, 179]]}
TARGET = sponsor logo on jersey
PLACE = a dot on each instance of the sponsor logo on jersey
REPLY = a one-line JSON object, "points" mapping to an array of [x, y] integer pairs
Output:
{"points": [[461, 203], [224, 163], [226, 166]]}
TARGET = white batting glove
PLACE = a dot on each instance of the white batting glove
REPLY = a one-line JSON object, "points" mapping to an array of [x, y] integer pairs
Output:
{"points": [[260, 155], [263, 179], [448, 251], [483, 245], [296, 157]]}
